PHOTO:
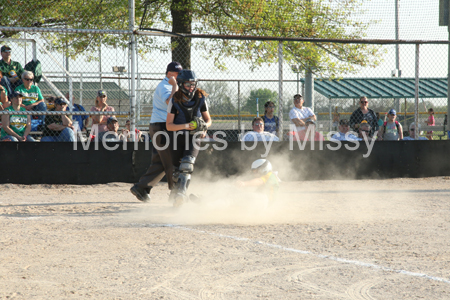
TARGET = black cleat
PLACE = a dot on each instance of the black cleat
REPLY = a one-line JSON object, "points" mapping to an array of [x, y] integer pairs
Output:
{"points": [[140, 193]]}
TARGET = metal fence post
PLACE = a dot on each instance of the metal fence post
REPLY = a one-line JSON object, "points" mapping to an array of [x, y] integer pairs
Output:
{"points": [[33, 43], [448, 72], [81, 89], [239, 105], [138, 97], [133, 71], [100, 64], [280, 89], [416, 92], [448, 60], [70, 93], [331, 115]]}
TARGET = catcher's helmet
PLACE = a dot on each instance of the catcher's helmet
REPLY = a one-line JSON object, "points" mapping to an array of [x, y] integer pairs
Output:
{"points": [[185, 76], [262, 166]]}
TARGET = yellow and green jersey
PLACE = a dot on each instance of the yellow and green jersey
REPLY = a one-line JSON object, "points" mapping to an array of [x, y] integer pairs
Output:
{"points": [[29, 96], [13, 66], [18, 123], [271, 186]]}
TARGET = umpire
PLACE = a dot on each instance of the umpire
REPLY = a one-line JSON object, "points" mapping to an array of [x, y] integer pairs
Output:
{"points": [[161, 159]]}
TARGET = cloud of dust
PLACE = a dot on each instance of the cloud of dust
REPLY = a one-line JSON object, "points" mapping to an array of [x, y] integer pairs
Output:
{"points": [[224, 202]]}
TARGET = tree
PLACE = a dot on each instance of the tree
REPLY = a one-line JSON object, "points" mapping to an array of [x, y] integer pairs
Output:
{"points": [[219, 99], [279, 18], [263, 95], [94, 14]]}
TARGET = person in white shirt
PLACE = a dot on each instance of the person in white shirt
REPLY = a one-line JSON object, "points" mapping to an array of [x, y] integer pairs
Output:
{"points": [[258, 133], [300, 114], [412, 133], [344, 134]]}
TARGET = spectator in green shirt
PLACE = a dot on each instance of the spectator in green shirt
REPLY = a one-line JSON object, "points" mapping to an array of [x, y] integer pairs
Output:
{"points": [[16, 128], [4, 103], [12, 70], [32, 96]]}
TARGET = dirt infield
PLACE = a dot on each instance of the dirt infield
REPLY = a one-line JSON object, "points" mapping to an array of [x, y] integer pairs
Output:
{"points": [[358, 239]]}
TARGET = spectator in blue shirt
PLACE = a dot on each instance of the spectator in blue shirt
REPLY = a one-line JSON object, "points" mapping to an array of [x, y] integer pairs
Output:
{"points": [[271, 122], [344, 133], [82, 121], [413, 132]]}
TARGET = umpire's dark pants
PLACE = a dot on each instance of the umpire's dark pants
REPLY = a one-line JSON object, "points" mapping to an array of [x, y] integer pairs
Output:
{"points": [[161, 159]]}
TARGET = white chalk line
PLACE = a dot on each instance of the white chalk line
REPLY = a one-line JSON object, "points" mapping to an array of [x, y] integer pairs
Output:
{"points": [[329, 257]]}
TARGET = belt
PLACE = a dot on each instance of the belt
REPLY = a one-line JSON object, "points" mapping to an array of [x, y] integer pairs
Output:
{"points": [[158, 123]]}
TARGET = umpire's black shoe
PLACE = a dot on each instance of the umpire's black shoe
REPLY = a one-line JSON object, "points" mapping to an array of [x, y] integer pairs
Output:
{"points": [[140, 193]]}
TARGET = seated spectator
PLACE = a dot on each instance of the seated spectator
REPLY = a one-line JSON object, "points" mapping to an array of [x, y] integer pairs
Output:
{"points": [[308, 132], [12, 70], [300, 114], [364, 130], [126, 132], [344, 133], [58, 128], [16, 128], [4, 103], [391, 130], [82, 121], [101, 105], [271, 122], [364, 113], [258, 133], [32, 96], [412, 133], [50, 102], [112, 134]]}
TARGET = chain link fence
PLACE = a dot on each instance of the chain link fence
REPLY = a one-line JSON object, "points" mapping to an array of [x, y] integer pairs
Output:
{"points": [[240, 76]]}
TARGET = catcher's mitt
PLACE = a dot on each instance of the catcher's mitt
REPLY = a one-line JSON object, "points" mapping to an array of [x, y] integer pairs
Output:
{"points": [[201, 125]]}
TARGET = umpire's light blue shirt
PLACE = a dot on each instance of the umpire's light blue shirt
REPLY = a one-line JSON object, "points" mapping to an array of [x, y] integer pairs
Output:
{"points": [[162, 92]]}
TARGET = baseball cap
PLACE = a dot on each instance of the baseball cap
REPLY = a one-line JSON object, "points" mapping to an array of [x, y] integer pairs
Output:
{"points": [[343, 122], [392, 112], [174, 67], [101, 93], [111, 119], [60, 101], [365, 124], [310, 121], [297, 96], [5, 48], [16, 94]]}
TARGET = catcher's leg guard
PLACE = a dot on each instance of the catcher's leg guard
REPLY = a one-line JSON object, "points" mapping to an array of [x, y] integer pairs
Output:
{"points": [[186, 168], [173, 192], [184, 178]]}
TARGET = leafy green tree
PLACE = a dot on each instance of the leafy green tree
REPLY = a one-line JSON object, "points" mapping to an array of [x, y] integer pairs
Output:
{"points": [[263, 95], [220, 98], [280, 18]]}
